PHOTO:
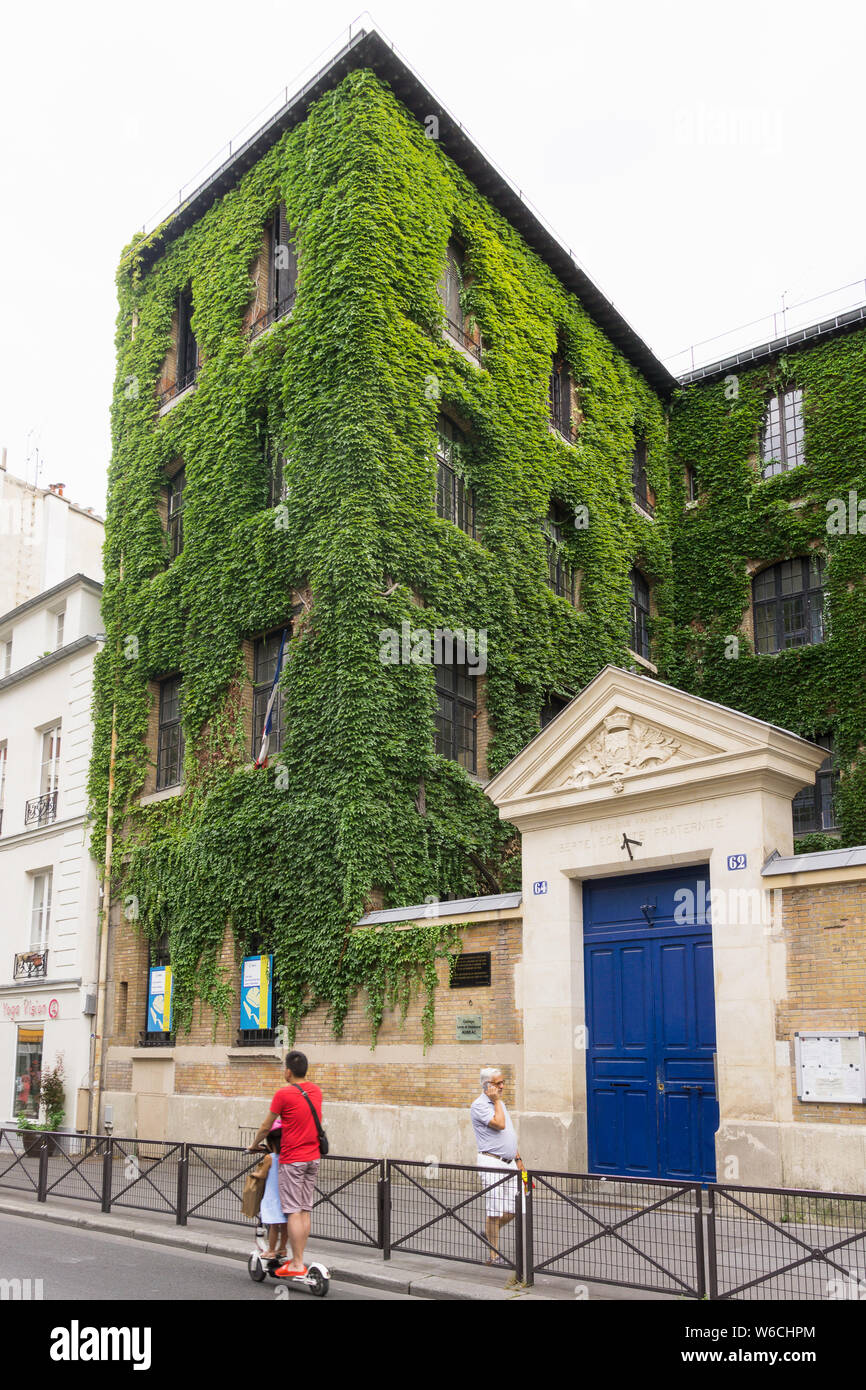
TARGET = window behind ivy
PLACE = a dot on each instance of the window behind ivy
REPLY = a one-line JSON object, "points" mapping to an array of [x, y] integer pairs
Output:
{"points": [[455, 501], [261, 1037], [782, 433], [639, 635], [813, 808], [275, 470], [169, 753], [158, 955], [639, 482], [284, 265], [456, 694], [553, 705], [691, 483], [561, 575], [187, 348], [265, 656], [560, 397], [175, 511], [789, 604]]}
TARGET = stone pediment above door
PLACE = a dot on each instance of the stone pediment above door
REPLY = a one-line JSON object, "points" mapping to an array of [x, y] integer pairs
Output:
{"points": [[622, 745], [626, 736]]}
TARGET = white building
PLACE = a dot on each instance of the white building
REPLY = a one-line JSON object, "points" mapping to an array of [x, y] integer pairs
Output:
{"points": [[49, 887]]}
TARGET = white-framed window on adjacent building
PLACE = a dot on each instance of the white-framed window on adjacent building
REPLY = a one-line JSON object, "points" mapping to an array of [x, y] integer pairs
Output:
{"points": [[49, 779], [40, 913], [61, 623], [6, 656]]}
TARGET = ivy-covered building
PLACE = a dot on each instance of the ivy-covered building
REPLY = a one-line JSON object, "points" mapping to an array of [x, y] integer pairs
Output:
{"points": [[376, 431]]}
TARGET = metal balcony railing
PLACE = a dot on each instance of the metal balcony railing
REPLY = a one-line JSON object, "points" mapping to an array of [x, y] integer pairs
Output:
{"points": [[41, 810], [456, 330], [30, 965], [271, 315], [178, 386], [155, 1039]]}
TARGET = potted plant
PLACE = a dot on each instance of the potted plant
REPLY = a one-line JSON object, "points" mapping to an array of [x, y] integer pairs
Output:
{"points": [[52, 1103]]}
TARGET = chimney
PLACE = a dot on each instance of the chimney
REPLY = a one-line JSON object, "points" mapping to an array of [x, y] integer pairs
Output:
{"points": [[56, 488]]}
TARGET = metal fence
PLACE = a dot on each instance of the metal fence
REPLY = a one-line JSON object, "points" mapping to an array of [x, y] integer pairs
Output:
{"points": [[773, 1243], [455, 1212], [761, 1243], [645, 1235]]}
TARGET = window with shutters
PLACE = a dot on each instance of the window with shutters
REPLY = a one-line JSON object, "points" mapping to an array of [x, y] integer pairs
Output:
{"points": [[641, 490], [455, 500], [561, 574], [282, 273], [560, 398], [788, 601], [457, 707], [782, 433], [187, 347], [813, 809], [451, 287], [170, 744], [639, 632]]}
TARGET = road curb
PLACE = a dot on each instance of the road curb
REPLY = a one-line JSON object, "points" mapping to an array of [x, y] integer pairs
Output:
{"points": [[431, 1287]]}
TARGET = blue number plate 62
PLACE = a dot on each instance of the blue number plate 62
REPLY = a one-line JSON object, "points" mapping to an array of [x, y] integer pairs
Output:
{"points": [[736, 861]]}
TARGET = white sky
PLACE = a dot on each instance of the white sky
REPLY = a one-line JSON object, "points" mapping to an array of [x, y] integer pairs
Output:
{"points": [[700, 159]]}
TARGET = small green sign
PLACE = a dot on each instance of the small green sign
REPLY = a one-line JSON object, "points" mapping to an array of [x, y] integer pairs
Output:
{"points": [[469, 1028]]}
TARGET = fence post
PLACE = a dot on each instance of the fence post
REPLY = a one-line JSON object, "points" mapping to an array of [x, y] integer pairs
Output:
{"points": [[42, 1179], [385, 1209], [107, 1170], [700, 1258], [182, 1186], [711, 1242], [528, 1250], [519, 1246]]}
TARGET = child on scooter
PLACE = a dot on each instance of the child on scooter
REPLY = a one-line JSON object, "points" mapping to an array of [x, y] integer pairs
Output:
{"points": [[271, 1213]]}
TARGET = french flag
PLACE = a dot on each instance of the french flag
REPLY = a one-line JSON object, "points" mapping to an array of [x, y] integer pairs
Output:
{"points": [[262, 759]]}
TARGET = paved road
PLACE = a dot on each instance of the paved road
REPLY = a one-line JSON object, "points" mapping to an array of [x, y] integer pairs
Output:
{"points": [[83, 1265]]}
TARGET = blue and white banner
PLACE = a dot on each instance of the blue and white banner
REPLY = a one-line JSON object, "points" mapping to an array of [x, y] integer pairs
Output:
{"points": [[257, 992], [159, 999]]}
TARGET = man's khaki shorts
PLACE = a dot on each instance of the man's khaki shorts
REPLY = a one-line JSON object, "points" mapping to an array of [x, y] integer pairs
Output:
{"points": [[297, 1186]]}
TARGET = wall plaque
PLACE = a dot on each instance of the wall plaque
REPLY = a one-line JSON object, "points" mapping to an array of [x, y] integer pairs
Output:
{"points": [[468, 1028], [831, 1067], [471, 969]]}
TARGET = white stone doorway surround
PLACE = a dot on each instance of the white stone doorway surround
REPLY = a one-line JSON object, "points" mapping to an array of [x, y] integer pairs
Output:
{"points": [[685, 781]]}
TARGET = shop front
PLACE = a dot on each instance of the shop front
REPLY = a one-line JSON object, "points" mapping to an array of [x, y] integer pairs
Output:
{"points": [[38, 1029]]}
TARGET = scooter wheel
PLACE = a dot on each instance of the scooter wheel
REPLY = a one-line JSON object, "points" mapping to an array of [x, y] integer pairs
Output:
{"points": [[318, 1284], [255, 1270]]}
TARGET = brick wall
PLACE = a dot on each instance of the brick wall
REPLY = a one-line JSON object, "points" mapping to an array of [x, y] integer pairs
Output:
{"points": [[825, 934], [373, 1080]]}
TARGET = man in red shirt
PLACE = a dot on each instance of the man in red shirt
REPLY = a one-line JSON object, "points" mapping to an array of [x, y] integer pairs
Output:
{"points": [[299, 1153]]}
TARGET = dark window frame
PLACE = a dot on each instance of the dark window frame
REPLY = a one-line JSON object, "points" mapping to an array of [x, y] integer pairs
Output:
{"points": [[158, 954], [561, 573], [456, 500], [691, 482], [175, 499], [260, 1037], [187, 347], [783, 425], [450, 289], [640, 642], [639, 481], [813, 809], [770, 614], [560, 398], [170, 739], [275, 469], [457, 715], [266, 651], [553, 706]]}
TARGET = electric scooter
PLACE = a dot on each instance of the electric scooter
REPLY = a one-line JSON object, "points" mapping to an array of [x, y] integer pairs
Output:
{"points": [[317, 1279]]}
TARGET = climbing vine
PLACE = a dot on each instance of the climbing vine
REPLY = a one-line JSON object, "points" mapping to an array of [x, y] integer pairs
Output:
{"points": [[742, 519], [351, 384]]}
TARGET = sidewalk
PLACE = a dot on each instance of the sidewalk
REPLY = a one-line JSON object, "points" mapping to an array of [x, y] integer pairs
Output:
{"points": [[419, 1275]]}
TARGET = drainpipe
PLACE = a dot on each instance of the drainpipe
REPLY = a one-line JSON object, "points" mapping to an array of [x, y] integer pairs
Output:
{"points": [[99, 1050]]}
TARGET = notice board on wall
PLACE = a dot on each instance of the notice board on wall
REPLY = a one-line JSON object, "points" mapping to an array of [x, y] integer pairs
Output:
{"points": [[831, 1067]]}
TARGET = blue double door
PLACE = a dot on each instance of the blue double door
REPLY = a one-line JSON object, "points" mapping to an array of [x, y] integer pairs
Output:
{"points": [[651, 1095]]}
